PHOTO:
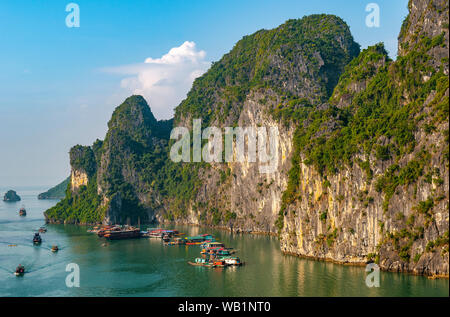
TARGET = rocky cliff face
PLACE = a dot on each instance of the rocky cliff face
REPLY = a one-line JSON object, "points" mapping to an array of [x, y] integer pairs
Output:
{"points": [[342, 219], [78, 178], [426, 18], [389, 205], [237, 195], [134, 137], [277, 73], [362, 171]]}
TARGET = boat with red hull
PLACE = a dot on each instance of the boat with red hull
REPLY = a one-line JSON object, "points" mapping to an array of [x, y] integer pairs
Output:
{"points": [[22, 211]]}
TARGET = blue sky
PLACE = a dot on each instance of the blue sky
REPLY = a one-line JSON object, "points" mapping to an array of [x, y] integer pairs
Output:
{"points": [[59, 85]]}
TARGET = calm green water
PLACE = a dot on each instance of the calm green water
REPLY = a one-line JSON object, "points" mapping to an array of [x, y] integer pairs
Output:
{"points": [[145, 267]]}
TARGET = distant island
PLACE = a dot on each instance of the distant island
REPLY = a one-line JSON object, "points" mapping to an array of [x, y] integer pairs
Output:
{"points": [[57, 192], [11, 196]]}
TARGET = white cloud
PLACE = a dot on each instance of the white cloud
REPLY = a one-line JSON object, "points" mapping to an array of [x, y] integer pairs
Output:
{"points": [[165, 81]]}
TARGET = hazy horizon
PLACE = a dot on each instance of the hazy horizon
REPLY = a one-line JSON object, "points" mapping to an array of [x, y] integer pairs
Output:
{"points": [[60, 85]]}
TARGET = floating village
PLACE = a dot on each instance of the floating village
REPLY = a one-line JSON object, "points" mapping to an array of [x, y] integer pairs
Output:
{"points": [[212, 253]]}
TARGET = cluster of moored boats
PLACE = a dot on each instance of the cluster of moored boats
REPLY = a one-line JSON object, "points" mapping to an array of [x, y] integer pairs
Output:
{"points": [[213, 253]]}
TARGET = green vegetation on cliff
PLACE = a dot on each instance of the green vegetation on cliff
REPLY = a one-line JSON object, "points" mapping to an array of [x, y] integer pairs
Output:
{"points": [[144, 149], [372, 132], [381, 110], [390, 119], [300, 61], [83, 205], [80, 207], [57, 192], [316, 46], [343, 106], [83, 158], [132, 164], [134, 151], [132, 161]]}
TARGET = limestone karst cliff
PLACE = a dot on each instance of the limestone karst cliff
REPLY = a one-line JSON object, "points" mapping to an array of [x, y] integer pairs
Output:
{"points": [[371, 180], [362, 173]]}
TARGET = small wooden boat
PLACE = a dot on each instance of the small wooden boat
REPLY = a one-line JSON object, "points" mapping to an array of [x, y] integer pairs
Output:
{"points": [[217, 251], [207, 246], [233, 261], [162, 233], [37, 238], [55, 248], [156, 233], [210, 244], [42, 230], [20, 270], [201, 262], [166, 238], [22, 211]]}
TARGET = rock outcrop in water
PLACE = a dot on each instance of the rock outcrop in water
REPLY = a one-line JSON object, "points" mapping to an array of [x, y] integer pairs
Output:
{"points": [[11, 196], [363, 147]]}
